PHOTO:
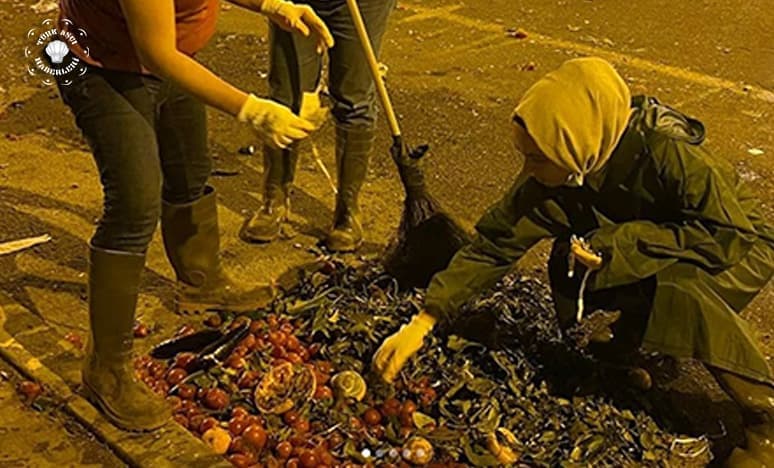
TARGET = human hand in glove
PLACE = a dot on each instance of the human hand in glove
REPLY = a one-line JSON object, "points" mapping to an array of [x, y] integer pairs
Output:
{"points": [[398, 348], [298, 18], [582, 252], [274, 123]]}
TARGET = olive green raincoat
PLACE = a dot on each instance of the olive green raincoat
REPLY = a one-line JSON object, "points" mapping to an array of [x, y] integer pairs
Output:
{"points": [[663, 210]]}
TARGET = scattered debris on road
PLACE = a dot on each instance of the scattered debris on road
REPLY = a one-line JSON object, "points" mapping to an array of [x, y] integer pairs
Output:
{"points": [[14, 246]]}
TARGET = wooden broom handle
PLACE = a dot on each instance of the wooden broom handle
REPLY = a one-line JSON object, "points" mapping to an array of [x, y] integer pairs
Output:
{"points": [[368, 49]]}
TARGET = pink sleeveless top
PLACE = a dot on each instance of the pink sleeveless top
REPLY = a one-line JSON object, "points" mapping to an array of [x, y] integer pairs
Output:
{"points": [[109, 43]]}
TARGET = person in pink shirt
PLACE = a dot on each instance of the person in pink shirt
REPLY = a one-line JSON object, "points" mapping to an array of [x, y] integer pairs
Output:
{"points": [[141, 107]]}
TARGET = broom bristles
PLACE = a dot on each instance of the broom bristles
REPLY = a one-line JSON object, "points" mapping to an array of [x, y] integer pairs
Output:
{"points": [[426, 241]]}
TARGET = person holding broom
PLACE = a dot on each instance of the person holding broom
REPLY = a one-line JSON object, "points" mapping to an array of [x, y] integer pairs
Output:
{"points": [[140, 106], [295, 70], [659, 229]]}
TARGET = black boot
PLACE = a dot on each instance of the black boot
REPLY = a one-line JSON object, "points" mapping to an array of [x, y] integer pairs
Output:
{"points": [[108, 375], [192, 242], [279, 168], [757, 402], [353, 148]]}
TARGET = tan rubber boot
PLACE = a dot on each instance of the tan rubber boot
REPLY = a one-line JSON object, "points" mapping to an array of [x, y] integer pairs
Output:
{"points": [[192, 243], [353, 148], [757, 402], [279, 167], [108, 375]]}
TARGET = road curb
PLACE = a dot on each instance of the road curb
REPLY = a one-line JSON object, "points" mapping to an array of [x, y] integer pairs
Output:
{"points": [[170, 446]]}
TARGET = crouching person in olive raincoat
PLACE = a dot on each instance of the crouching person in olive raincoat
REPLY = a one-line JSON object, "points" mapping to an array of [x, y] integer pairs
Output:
{"points": [[683, 243]]}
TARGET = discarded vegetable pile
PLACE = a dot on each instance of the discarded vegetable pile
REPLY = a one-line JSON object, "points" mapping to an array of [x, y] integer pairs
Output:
{"points": [[296, 389]]}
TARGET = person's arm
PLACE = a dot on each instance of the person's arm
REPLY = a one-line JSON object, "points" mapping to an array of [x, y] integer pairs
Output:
{"points": [[152, 29], [505, 233], [714, 234], [291, 17], [508, 229]]}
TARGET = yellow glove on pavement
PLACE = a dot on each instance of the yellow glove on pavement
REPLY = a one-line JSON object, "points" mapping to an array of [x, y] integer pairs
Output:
{"points": [[298, 18], [398, 348], [274, 123]]}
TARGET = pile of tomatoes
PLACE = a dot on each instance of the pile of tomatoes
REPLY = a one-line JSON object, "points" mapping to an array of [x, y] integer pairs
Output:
{"points": [[321, 432]]}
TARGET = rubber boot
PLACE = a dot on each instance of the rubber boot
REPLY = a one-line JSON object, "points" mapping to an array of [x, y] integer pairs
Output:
{"points": [[279, 167], [353, 147], [108, 375], [757, 402], [192, 242]]}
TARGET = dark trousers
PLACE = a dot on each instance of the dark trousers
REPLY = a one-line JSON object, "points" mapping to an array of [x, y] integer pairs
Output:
{"points": [[634, 301], [296, 66], [149, 140]]}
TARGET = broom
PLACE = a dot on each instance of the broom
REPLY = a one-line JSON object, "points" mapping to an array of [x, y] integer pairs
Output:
{"points": [[427, 238]]}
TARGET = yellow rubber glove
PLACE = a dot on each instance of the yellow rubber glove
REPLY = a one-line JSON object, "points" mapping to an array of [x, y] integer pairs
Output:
{"points": [[274, 123], [313, 110], [398, 348], [298, 18]]}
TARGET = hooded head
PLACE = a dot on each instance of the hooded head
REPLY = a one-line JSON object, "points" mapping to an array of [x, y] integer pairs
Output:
{"points": [[575, 116]]}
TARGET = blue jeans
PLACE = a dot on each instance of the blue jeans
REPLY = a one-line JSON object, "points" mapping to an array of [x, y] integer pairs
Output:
{"points": [[295, 65], [149, 140]]}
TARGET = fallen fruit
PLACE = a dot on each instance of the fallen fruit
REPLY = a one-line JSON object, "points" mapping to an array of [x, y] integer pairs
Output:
{"points": [[239, 460], [185, 360], [408, 407], [218, 439], [427, 397], [140, 330], [74, 339], [255, 436], [278, 338], [182, 420], [157, 370], [308, 459], [235, 362], [236, 426], [207, 424], [30, 390], [301, 426], [187, 391], [323, 392], [216, 399], [284, 449], [291, 417], [372, 416], [176, 375], [213, 321], [391, 407]]}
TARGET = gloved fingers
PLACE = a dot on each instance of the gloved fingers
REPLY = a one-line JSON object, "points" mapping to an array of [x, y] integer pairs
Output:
{"points": [[298, 25], [317, 26], [302, 124], [285, 140], [394, 365], [382, 359], [382, 355], [296, 133], [278, 142]]}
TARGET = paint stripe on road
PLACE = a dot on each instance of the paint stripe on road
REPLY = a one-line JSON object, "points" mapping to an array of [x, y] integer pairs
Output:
{"points": [[448, 14]]}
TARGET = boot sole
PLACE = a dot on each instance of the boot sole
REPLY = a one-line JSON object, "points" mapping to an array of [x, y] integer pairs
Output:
{"points": [[115, 419], [345, 248], [256, 239]]}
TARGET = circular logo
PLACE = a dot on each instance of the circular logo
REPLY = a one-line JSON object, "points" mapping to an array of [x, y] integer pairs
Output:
{"points": [[49, 51]]}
